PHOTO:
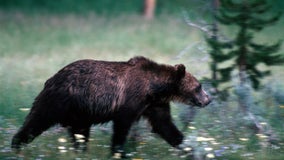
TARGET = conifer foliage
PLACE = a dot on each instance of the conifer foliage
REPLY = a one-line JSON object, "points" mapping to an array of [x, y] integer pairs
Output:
{"points": [[250, 17]]}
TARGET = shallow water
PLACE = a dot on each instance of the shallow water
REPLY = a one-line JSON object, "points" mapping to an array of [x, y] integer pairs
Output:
{"points": [[55, 144]]}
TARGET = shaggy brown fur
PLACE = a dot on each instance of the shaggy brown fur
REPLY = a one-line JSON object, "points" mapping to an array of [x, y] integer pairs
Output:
{"points": [[89, 92]]}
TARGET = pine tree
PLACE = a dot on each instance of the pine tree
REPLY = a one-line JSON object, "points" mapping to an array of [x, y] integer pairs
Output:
{"points": [[248, 16]]}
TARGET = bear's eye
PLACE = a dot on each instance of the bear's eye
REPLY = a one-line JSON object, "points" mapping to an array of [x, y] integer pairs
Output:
{"points": [[198, 88]]}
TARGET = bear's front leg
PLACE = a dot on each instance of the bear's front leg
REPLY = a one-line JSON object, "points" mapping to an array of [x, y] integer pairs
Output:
{"points": [[160, 119]]}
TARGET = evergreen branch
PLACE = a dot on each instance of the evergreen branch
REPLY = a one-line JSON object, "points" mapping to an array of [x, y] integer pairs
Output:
{"points": [[255, 5], [225, 73], [255, 82], [224, 18], [276, 59], [268, 59], [218, 44], [258, 23], [230, 5], [261, 8], [267, 49], [257, 73]]}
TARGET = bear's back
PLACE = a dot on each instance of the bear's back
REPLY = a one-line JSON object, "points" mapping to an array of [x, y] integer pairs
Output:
{"points": [[83, 72]]}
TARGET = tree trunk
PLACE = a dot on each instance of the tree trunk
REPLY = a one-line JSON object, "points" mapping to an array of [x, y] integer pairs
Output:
{"points": [[242, 66], [245, 97], [215, 5], [149, 9]]}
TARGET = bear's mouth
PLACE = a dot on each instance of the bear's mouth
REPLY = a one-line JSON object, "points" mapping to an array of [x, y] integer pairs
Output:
{"points": [[195, 102]]}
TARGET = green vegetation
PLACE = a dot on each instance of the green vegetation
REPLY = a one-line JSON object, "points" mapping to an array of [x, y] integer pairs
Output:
{"points": [[34, 46], [243, 54], [250, 18]]}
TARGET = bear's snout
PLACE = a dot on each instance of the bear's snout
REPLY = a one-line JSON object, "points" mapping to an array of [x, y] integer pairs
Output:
{"points": [[207, 101], [202, 99]]}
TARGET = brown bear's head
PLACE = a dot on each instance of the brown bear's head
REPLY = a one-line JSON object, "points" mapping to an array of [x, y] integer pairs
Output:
{"points": [[189, 89]]}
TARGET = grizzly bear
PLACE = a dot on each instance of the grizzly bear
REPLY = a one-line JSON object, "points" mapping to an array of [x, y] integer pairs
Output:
{"points": [[88, 92]]}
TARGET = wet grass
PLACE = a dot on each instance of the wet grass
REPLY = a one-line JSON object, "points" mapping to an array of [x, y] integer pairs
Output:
{"points": [[34, 47]]}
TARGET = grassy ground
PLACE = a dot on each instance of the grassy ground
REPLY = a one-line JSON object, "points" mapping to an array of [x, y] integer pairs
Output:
{"points": [[34, 47]]}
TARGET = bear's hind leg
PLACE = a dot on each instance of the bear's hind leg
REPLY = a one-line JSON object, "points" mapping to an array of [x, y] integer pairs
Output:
{"points": [[79, 137], [33, 126]]}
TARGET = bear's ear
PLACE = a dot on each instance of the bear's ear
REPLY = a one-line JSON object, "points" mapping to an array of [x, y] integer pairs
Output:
{"points": [[180, 70]]}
